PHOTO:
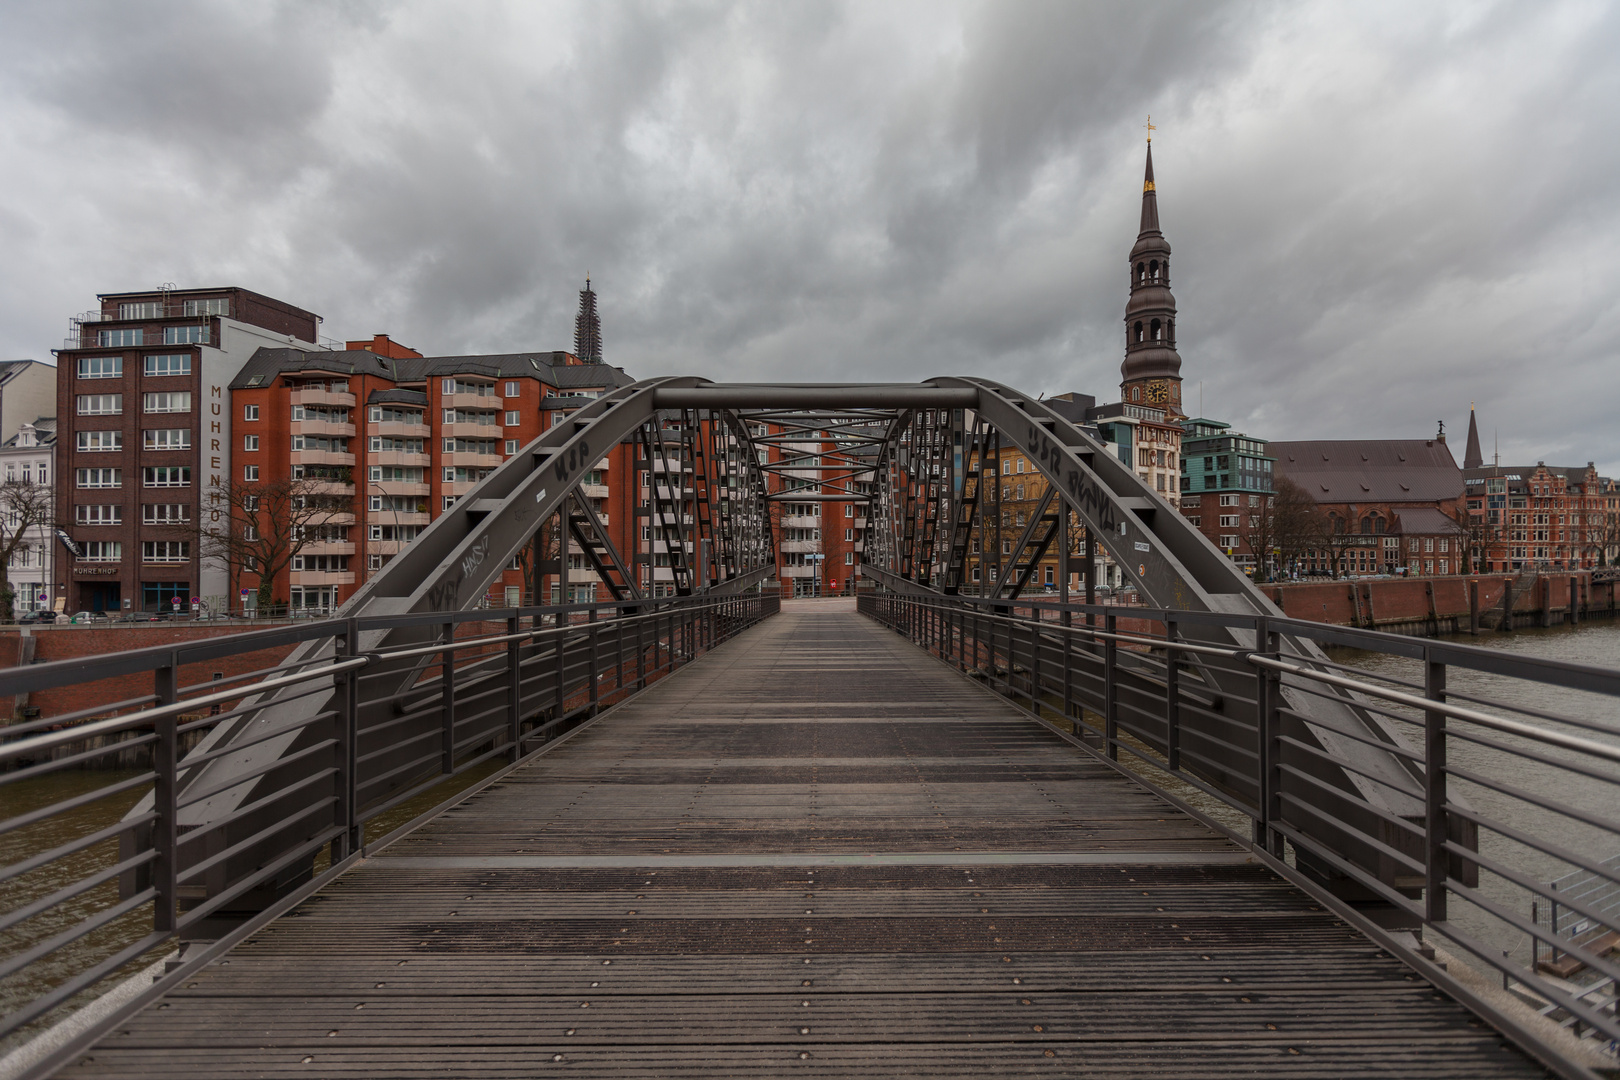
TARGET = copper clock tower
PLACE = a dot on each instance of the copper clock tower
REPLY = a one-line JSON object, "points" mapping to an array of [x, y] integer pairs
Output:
{"points": [[1151, 373]]}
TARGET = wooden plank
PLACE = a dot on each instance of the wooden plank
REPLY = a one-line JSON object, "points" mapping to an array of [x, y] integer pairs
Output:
{"points": [[665, 930]]}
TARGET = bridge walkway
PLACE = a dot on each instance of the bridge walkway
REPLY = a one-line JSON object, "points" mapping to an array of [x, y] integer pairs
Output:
{"points": [[816, 851]]}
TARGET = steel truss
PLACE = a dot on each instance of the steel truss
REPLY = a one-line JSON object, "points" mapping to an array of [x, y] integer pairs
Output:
{"points": [[712, 458]]}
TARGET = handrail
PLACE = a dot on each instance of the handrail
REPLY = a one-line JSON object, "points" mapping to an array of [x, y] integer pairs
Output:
{"points": [[1424, 858]]}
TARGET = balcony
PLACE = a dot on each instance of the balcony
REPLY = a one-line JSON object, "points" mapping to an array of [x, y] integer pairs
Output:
{"points": [[385, 547], [328, 487], [400, 457], [328, 547], [471, 401], [398, 517], [400, 430], [487, 461], [799, 572], [800, 521], [318, 577], [801, 545], [321, 457], [398, 487], [594, 491], [471, 431], [320, 396], [321, 427]]}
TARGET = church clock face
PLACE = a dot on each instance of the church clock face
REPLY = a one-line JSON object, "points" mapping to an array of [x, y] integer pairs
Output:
{"points": [[1158, 392]]}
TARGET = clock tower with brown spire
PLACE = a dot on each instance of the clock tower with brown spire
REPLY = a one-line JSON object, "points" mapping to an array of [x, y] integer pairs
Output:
{"points": [[1151, 373]]}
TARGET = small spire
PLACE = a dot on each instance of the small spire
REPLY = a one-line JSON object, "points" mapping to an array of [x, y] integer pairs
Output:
{"points": [[1150, 199], [1472, 457], [588, 327]]}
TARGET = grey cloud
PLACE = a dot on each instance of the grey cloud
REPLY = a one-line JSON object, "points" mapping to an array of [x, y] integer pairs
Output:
{"points": [[1378, 214]]}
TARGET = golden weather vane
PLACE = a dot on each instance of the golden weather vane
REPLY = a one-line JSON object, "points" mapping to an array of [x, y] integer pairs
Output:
{"points": [[1151, 128]]}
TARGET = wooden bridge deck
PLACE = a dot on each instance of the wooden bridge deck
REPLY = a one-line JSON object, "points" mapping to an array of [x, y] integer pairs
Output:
{"points": [[814, 852]]}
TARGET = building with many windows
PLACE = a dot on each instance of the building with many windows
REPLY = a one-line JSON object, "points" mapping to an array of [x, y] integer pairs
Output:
{"points": [[1542, 517], [387, 443], [28, 464], [144, 428], [1226, 487]]}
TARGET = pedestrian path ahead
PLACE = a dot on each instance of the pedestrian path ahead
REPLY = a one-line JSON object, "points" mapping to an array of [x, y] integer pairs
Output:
{"points": [[815, 851]]}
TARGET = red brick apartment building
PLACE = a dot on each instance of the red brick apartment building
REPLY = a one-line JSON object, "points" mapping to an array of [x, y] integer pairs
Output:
{"points": [[1542, 517], [820, 538], [394, 438], [144, 426]]}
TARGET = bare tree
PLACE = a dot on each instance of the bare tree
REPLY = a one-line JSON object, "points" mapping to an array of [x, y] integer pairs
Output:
{"points": [[24, 506], [1257, 528], [1291, 520], [256, 528]]}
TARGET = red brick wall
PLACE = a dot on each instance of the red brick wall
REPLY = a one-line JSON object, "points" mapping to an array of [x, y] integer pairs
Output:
{"points": [[73, 643], [1412, 599]]}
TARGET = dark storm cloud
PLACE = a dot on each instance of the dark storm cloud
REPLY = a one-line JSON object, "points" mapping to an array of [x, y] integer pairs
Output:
{"points": [[1378, 213]]}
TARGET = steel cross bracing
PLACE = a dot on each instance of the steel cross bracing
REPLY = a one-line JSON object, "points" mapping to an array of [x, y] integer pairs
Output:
{"points": [[909, 449]]}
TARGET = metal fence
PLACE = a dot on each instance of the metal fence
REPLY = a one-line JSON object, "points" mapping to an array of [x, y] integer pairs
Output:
{"points": [[105, 869], [1499, 773]]}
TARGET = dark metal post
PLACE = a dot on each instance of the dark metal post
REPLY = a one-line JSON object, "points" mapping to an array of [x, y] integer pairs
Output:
{"points": [[348, 698], [514, 688], [1035, 662], [165, 799], [593, 668], [1436, 821], [1172, 698], [560, 657], [1262, 739], [447, 701], [1110, 694]]}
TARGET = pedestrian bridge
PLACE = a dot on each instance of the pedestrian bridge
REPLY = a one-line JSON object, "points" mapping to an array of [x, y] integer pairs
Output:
{"points": [[923, 832], [817, 850]]}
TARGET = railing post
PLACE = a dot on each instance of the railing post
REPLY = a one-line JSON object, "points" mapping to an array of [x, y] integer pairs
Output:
{"points": [[1436, 821], [165, 800], [559, 655], [514, 687], [593, 666], [1035, 662], [348, 699], [447, 701], [1172, 698], [641, 651], [1264, 706], [1110, 692]]}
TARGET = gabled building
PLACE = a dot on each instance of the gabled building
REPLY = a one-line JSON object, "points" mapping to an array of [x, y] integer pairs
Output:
{"points": [[1542, 517], [1392, 505]]}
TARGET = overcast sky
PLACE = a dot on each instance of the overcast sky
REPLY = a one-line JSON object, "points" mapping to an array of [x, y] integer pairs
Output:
{"points": [[1379, 212]]}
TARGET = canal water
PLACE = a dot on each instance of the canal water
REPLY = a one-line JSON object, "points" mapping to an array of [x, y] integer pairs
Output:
{"points": [[1595, 644]]}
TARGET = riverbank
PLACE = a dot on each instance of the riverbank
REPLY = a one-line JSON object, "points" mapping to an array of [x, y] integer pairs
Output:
{"points": [[1433, 607]]}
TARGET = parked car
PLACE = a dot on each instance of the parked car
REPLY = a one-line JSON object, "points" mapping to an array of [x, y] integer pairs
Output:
{"points": [[144, 616], [37, 617], [84, 618]]}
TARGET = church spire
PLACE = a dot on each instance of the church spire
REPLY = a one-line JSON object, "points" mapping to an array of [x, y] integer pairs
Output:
{"points": [[1151, 373], [1472, 457], [588, 327]]}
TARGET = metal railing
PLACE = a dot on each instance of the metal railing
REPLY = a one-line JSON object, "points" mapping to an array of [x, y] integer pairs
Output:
{"points": [[105, 868], [1508, 771]]}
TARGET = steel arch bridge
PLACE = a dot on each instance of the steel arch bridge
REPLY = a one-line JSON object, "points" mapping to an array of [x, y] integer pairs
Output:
{"points": [[922, 455]]}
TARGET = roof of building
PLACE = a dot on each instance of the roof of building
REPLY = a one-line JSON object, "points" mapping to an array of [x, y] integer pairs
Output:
{"points": [[10, 369], [1518, 476], [1371, 470], [1425, 520], [551, 368], [403, 397], [44, 428]]}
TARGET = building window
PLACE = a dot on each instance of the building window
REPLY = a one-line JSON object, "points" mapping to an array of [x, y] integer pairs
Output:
{"points": [[462, 386], [99, 478], [169, 364], [214, 305], [165, 551], [1230, 543], [100, 404], [102, 551], [513, 419], [511, 446], [250, 442], [165, 513], [449, 501], [512, 390], [250, 472], [113, 339], [250, 412], [849, 558], [100, 441], [149, 309], [101, 367], [1229, 521], [166, 476], [1229, 500], [167, 401], [111, 514], [185, 335], [166, 439]]}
